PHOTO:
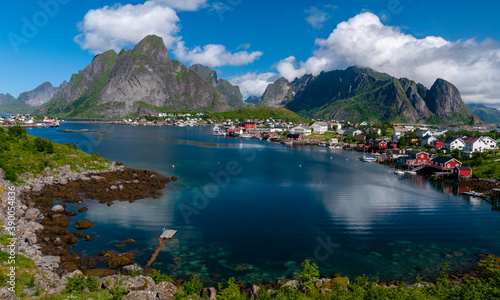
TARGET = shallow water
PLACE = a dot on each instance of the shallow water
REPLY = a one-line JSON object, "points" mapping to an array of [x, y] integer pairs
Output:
{"points": [[255, 210]]}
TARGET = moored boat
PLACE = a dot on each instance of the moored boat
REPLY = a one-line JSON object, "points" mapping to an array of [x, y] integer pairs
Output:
{"points": [[368, 158]]}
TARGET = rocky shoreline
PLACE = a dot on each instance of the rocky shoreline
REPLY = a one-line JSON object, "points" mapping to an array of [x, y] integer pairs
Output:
{"points": [[41, 218]]}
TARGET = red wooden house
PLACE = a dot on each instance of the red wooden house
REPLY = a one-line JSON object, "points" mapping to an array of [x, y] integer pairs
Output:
{"points": [[250, 125], [462, 171], [445, 163], [416, 158], [380, 144], [438, 144]]}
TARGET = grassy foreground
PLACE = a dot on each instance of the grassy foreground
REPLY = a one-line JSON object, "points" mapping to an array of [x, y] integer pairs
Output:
{"points": [[21, 153], [483, 284]]}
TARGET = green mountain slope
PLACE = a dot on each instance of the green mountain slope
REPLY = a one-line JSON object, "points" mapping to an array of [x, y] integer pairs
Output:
{"points": [[488, 114], [362, 94]]}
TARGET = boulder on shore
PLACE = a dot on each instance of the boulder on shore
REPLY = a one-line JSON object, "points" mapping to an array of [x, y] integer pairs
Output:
{"points": [[84, 224]]}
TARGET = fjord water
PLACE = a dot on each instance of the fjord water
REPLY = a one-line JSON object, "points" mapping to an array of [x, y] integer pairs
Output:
{"points": [[255, 210]]}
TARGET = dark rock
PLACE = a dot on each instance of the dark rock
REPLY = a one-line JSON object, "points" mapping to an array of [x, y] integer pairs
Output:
{"points": [[128, 241], [83, 224], [173, 178], [88, 237], [116, 260], [99, 272], [83, 209], [70, 213]]}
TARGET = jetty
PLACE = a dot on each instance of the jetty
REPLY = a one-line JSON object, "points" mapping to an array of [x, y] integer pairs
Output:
{"points": [[168, 234]]}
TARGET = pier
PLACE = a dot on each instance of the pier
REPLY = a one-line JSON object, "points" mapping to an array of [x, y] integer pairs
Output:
{"points": [[168, 234]]}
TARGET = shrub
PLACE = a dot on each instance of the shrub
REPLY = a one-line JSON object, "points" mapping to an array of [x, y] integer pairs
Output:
{"points": [[17, 132], [230, 292], [193, 286], [78, 284], [308, 271], [43, 145], [158, 277]]}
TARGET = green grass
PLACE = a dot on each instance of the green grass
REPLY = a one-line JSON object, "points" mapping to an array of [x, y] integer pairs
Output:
{"points": [[259, 112], [22, 153]]}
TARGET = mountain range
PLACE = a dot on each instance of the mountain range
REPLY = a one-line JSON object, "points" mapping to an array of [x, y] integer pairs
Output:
{"points": [[140, 81], [145, 80], [362, 94], [488, 114], [27, 102]]}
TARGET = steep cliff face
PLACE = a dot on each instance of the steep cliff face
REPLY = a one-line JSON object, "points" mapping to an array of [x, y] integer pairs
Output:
{"points": [[41, 94], [277, 94], [231, 93], [136, 81], [363, 94]]}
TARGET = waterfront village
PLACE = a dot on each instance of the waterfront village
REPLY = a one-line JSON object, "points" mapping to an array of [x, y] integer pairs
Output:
{"points": [[408, 147]]}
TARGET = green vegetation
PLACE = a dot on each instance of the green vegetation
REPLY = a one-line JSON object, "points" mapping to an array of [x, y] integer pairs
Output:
{"points": [[79, 283], [21, 153], [158, 277], [259, 112]]}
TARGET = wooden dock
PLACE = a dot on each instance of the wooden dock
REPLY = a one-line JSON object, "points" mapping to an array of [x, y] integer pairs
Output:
{"points": [[168, 234]]}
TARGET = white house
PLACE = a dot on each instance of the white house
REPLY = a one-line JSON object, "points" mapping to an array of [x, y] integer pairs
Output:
{"points": [[428, 139], [490, 143], [424, 132], [398, 131], [353, 132], [333, 124], [479, 144], [454, 143], [320, 127], [301, 129]]}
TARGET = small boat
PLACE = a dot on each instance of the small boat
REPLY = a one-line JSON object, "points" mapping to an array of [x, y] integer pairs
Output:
{"points": [[322, 144], [474, 194], [368, 158], [246, 136], [399, 172], [411, 172]]}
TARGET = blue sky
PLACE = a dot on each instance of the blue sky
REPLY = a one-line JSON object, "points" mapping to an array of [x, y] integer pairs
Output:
{"points": [[252, 43]]}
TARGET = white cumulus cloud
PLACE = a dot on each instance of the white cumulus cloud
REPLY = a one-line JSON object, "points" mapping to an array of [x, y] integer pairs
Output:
{"points": [[114, 27], [316, 17], [119, 26], [363, 40], [253, 84], [214, 55]]}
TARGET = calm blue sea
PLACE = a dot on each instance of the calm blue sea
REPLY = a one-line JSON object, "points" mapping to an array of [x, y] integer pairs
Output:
{"points": [[255, 210]]}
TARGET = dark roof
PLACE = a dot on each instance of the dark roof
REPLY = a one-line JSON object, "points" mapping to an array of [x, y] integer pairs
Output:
{"points": [[450, 140], [442, 159], [415, 152], [464, 168], [293, 136]]}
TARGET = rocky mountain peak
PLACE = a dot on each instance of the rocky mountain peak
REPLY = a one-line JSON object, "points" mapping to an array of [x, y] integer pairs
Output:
{"points": [[153, 47]]}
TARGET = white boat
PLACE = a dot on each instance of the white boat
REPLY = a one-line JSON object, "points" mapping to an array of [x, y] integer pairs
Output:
{"points": [[246, 136], [322, 144], [368, 158], [399, 172], [218, 131], [411, 172]]}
